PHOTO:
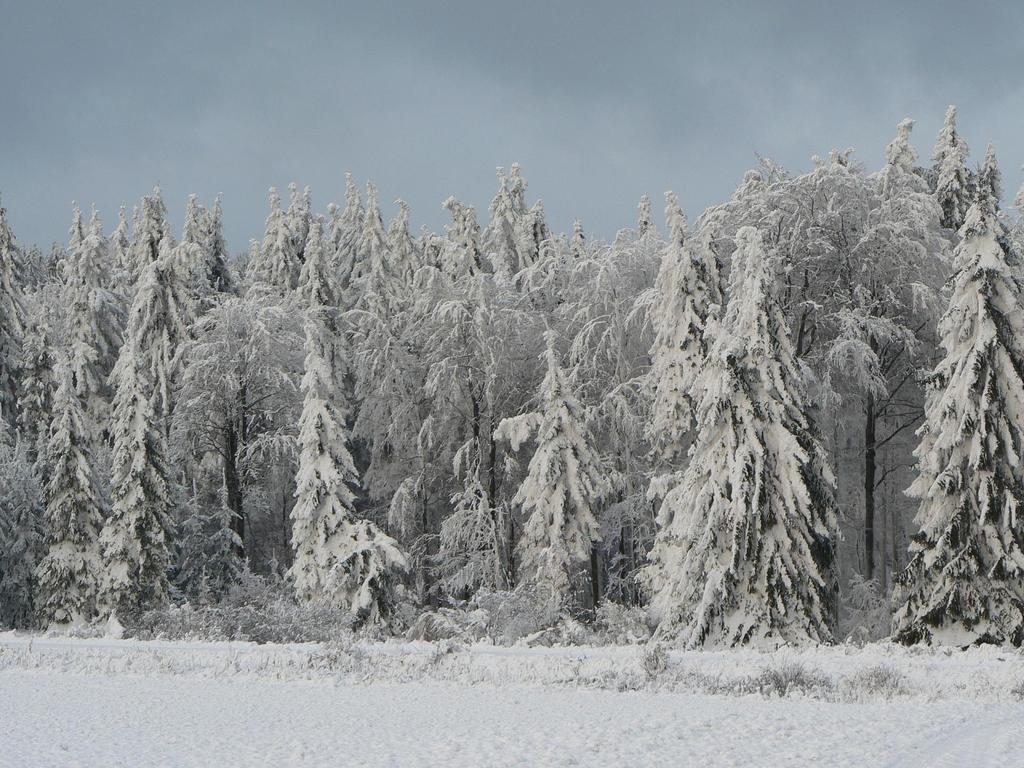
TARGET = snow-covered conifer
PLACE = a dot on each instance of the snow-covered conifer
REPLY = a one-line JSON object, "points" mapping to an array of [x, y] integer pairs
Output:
{"points": [[461, 253], [209, 562], [68, 574], [278, 264], [12, 314], [316, 281], [95, 321], [744, 548], [373, 259], [687, 286], [135, 541], [564, 484], [21, 534], [965, 581], [342, 560], [297, 219], [990, 178], [218, 273], [578, 244], [645, 219], [953, 187], [151, 228], [345, 230], [403, 249]]}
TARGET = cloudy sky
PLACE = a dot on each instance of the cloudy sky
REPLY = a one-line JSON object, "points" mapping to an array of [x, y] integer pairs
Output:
{"points": [[599, 101]]}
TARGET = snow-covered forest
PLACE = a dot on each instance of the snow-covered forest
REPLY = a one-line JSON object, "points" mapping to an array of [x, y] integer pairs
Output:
{"points": [[796, 418]]}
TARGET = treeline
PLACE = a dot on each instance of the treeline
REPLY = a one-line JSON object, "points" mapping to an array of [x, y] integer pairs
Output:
{"points": [[717, 421]]}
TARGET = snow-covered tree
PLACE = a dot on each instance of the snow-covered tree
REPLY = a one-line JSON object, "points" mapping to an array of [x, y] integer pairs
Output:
{"points": [[68, 575], [342, 560], [135, 540], [12, 313], [953, 188], [373, 259], [297, 219], [278, 264], [317, 280], [461, 254], [469, 542], [645, 219], [990, 178], [37, 386], [120, 254], [346, 227], [965, 581], [687, 287], [744, 548], [564, 484], [218, 271], [151, 228], [578, 244], [22, 534], [405, 259], [209, 562], [158, 322], [95, 322]]}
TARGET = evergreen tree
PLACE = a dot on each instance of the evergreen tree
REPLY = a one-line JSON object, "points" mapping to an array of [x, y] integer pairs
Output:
{"points": [[461, 253], [686, 289], [405, 258], [209, 562], [345, 231], [135, 539], [69, 572], [158, 322], [120, 254], [35, 399], [645, 219], [340, 559], [316, 281], [12, 315], [95, 321], [151, 229], [965, 581], [990, 179], [218, 272], [373, 261], [508, 209], [564, 483], [278, 265], [578, 244], [744, 549], [21, 535], [953, 187]]}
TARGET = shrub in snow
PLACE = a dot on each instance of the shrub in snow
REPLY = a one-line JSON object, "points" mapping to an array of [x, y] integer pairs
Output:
{"points": [[877, 681], [866, 613], [965, 580], [792, 677]]}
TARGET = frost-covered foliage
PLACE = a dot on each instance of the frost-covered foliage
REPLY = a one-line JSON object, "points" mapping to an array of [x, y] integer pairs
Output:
{"points": [[135, 541], [965, 581], [209, 563], [686, 289], [745, 547], [12, 311], [564, 483], [69, 573], [22, 534], [339, 559], [953, 188]]}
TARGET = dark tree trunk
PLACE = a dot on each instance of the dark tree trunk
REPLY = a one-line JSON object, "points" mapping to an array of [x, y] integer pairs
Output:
{"points": [[233, 487], [595, 577], [869, 487]]}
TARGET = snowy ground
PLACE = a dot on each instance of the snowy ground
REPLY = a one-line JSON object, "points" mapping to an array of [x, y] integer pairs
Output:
{"points": [[123, 703]]}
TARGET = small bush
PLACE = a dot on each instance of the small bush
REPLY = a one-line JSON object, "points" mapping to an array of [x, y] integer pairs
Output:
{"points": [[1018, 691], [878, 680], [791, 677], [654, 660]]}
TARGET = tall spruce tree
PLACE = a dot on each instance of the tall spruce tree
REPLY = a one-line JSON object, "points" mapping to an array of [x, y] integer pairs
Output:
{"points": [[686, 288], [744, 549], [339, 559], [135, 540], [564, 484], [12, 315], [965, 581], [68, 575], [953, 187]]}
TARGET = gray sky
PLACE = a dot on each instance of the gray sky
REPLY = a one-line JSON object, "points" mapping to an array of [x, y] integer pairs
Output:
{"points": [[599, 101]]}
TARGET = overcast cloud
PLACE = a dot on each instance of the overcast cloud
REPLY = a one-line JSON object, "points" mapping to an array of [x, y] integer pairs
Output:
{"points": [[599, 101]]}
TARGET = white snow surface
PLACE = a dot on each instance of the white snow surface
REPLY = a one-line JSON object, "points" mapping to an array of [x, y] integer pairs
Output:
{"points": [[106, 702]]}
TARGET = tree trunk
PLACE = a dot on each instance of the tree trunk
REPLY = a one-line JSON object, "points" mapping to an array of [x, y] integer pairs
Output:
{"points": [[869, 487], [595, 577], [233, 487]]}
